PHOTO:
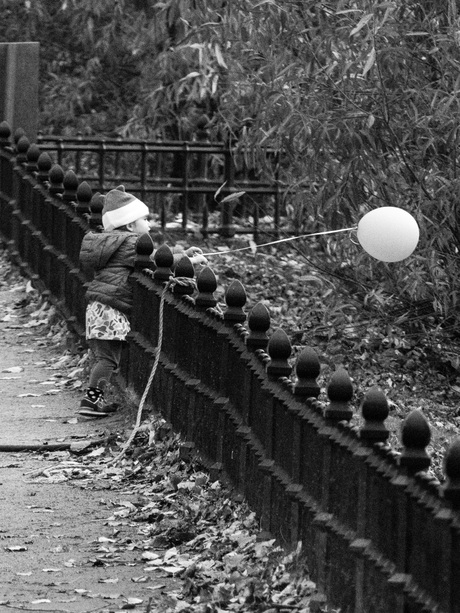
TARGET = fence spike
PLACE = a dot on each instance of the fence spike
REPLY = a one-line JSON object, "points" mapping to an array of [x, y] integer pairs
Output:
{"points": [[207, 284], [18, 134], [5, 133], [184, 268], [235, 298], [144, 249], [451, 488], [279, 349], [44, 164], [56, 177], [70, 183], [33, 153], [307, 369], [96, 205], [415, 436], [340, 392], [375, 410], [164, 261], [84, 195], [22, 147], [258, 324]]}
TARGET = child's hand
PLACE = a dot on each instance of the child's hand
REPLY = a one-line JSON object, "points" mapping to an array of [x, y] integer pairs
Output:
{"points": [[191, 251], [198, 259]]}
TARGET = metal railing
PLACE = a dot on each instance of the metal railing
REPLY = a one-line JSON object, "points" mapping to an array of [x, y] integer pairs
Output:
{"points": [[192, 181], [379, 532]]}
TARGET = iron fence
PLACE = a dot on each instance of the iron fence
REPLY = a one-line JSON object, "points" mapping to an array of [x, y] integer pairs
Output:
{"points": [[187, 184], [379, 532]]}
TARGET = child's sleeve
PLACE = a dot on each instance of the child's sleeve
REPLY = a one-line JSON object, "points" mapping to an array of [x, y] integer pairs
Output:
{"points": [[178, 253], [85, 254]]}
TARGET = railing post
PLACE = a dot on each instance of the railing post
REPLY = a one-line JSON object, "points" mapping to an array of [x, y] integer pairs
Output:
{"points": [[340, 392], [206, 284], [6, 180], [451, 493], [18, 199], [258, 324], [96, 205], [227, 229], [202, 173], [102, 149], [5, 133], [235, 298], [185, 185], [143, 177]]}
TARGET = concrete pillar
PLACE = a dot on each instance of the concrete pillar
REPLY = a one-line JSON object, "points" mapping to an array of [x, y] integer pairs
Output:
{"points": [[19, 86]]}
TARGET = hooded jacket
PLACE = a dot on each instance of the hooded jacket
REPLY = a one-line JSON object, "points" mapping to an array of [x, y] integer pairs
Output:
{"points": [[109, 257]]}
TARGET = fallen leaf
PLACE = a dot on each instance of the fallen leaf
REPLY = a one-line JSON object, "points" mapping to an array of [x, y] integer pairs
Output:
{"points": [[69, 563], [149, 555], [96, 452], [142, 579], [14, 369], [172, 570]]}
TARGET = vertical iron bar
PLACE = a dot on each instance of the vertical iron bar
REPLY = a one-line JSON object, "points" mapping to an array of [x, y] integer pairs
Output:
{"points": [[255, 232], [60, 149], [227, 229], [78, 157], [277, 196], [102, 148], [143, 170], [185, 186]]}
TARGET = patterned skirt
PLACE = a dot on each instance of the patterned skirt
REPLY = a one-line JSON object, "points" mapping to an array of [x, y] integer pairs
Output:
{"points": [[105, 323]]}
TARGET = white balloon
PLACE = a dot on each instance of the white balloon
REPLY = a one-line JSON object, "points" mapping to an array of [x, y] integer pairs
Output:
{"points": [[388, 233]]}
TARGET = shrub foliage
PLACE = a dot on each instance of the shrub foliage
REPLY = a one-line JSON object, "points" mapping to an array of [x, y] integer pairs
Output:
{"points": [[359, 97]]}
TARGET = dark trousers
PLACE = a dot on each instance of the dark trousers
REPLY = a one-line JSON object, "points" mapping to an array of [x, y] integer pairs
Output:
{"points": [[107, 355]]}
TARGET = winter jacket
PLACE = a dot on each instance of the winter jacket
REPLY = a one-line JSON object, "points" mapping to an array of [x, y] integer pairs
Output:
{"points": [[110, 257]]}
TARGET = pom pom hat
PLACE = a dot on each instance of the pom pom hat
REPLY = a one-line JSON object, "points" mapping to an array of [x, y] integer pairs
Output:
{"points": [[121, 208]]}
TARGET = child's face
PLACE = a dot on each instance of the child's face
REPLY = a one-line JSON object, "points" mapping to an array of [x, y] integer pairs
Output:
{"points": [[140, 226]]}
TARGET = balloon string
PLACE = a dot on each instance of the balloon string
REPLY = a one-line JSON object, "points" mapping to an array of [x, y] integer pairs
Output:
{"points": [[281, 240]]}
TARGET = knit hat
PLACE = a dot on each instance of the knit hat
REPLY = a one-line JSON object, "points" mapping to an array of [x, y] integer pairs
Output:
{"points": [[121, 208]]}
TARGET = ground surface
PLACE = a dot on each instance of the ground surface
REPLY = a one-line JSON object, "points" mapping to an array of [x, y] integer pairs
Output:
{"points": [[53, 531], [79, 534], [152, 533]]}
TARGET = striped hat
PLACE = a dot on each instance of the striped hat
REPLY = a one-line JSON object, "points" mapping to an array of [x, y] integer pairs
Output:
{"points": [[121, 208]]}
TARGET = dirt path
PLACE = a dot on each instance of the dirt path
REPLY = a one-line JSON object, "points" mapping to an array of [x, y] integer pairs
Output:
{"points": [[59, 549], [83, 531]]}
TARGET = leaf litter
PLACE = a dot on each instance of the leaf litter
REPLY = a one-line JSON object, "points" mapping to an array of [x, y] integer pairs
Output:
{"points": [[197, 531], [165, 516], [178, 522]]}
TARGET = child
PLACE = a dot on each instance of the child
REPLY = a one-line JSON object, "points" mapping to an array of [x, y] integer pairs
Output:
{"points": [[110, 256]]}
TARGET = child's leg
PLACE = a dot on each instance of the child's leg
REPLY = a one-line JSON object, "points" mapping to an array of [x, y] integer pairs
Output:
{"points": [[108, 356], [107, 359]]}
